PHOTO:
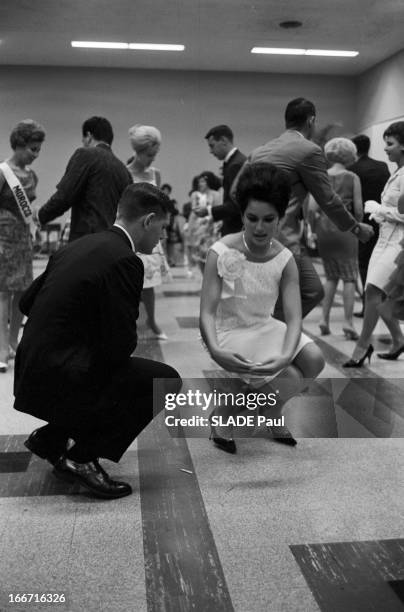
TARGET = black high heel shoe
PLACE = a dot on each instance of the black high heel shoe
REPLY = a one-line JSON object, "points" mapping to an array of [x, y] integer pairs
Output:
{"points": [[225, 444], [281, 434], [358, 363], [393, 355]]}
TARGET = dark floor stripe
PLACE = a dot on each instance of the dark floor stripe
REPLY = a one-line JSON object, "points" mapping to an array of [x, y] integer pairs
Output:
{"points": [[182, 565], [360, 576]]}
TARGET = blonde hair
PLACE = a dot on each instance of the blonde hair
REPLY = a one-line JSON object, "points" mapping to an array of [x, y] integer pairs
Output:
{"points": [[341, 150], [144, 136]]}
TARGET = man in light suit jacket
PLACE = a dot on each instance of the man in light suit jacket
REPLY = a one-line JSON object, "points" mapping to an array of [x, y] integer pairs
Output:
{"points": [[306, 165], [73, 366], [373, 175], [220, 142], [92, 184]]}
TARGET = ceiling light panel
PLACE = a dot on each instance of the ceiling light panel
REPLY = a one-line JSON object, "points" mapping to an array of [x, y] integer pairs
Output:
{"points": [[99, 45], [317, 52]]}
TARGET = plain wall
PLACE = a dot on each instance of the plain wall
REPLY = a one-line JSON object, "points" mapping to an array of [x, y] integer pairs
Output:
{"points": [[381, 102], [182, 104]]}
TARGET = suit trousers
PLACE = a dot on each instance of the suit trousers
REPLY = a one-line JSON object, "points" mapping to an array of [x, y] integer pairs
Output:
{"points": [[123, 410], [311, 289]]}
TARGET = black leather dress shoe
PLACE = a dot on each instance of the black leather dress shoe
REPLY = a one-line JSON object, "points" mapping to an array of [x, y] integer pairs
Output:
{"points": [[92, 477], [37, 446]]}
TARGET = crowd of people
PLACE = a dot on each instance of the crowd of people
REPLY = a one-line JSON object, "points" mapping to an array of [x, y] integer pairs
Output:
{"points": [[75, 366]]}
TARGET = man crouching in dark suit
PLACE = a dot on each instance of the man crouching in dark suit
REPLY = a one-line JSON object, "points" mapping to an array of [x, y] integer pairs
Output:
{"points": [[73, 366]]}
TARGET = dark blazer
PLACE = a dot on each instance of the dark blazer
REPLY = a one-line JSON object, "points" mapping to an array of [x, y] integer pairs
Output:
{"points": [[81, 326], [91, 186], [229, 212], [373, 175], [305, 163]]}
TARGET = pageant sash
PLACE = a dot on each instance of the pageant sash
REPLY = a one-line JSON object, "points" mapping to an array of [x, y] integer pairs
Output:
{"points": [[18, 191]]}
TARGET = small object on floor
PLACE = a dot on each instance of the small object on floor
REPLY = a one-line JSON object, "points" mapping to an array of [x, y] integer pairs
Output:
{"points": [[393, 355], [324, 329], [3, 367], [186, 471], [92, 477], [350, 334], [358, 363], [281, 434], [359, 315], [42, 450]]}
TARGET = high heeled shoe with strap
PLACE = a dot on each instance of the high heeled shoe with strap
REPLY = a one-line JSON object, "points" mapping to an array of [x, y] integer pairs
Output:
{"points": [[358, 363], [393, 355], [225, 444]]}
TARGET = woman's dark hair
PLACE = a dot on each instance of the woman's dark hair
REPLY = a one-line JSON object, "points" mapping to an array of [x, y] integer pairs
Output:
{"points": [[265, 182], [211, 179], [25, 132], [396, 130]]}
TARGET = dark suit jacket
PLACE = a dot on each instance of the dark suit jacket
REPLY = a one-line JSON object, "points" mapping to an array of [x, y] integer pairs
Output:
{"points": [[373, 176], [229, 212], [81, 326], [305, 163], [91, 186]]}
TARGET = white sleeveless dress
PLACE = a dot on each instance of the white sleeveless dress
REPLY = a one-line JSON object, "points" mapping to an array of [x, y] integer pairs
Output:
{"points": [[155, 264], [244, 322]]}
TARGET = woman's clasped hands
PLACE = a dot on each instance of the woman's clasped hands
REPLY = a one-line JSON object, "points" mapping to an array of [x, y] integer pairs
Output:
{"points": [[234, 362]]}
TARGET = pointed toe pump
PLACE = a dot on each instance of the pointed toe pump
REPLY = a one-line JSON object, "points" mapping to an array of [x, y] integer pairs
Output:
{"points": [[393, 355], [358, 363]]}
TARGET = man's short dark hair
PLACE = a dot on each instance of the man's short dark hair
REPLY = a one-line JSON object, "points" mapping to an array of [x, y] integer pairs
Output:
{"points": [[362, 143], [298, 111], [99, 128], [220, 130], [396, 130], [141, 199], [265, 182]]}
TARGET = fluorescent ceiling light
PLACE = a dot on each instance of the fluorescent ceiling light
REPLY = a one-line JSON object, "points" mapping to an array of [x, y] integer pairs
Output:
{"points": [[329, 53], [99, 45], [319, 52], [123, 45], [155, 47], [274, 51]]}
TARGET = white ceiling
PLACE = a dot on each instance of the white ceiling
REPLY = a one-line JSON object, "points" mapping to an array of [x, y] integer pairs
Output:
{"points": [[218, 34]]}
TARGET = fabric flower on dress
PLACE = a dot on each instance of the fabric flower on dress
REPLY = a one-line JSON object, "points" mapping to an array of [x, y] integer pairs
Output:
{"points": [[230, 264]]}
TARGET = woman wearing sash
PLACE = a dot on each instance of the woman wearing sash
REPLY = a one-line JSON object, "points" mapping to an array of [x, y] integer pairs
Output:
{"points": [[17, 189]]}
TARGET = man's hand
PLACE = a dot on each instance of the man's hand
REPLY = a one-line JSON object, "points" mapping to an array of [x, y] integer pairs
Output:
{"points": [[365, 232]]}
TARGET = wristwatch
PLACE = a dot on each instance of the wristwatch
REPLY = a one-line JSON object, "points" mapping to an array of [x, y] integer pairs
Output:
{"points": [[356, 229]]}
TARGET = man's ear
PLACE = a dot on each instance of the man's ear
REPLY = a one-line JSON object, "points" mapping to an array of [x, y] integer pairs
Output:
{"points": [[148, 220]]}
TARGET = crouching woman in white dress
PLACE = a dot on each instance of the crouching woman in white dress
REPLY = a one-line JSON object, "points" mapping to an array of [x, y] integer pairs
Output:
{"points": [[244, 274]]}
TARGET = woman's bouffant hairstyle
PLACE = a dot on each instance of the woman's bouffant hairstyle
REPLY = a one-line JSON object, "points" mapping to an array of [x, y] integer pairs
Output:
{"points": [[144, 136], [212, 181], [341, 150], [265, 182], [26, 131], [396, 130]]}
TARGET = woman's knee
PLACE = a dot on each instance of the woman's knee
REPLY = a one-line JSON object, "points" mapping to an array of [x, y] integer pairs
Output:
{"points": [[373, 294], [310, 361]]}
